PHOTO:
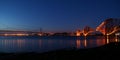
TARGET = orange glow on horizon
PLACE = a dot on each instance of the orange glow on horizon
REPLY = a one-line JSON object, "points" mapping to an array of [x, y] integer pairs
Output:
{"points": [[18, 34]]}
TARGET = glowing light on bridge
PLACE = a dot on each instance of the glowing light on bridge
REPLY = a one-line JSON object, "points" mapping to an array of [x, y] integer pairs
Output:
{"points": [[117, 34], [40, 34], [116, 40], [101, 28], [78, 33], [87, 30], [85, 34], [109, 26]]}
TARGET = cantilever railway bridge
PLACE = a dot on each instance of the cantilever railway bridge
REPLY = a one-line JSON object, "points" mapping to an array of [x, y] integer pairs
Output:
{"points": [[109, 26]]}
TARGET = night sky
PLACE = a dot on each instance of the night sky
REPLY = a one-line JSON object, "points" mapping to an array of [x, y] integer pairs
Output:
{"points": [[56, 15]]}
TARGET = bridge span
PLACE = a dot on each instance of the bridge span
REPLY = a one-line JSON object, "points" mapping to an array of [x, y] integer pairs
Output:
{"points": [[109, 26]]}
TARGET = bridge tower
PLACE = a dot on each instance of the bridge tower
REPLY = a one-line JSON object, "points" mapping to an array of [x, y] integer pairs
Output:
{"points": [[87, 30]]}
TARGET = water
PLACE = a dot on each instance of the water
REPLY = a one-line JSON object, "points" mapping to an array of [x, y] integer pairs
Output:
{"points": [[45, 44]]}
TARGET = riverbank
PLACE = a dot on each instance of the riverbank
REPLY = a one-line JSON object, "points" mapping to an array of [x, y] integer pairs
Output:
{"points": [[109, 51]]}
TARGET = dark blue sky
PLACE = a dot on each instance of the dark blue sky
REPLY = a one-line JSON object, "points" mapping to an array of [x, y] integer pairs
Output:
{"points": [[56, 15]]}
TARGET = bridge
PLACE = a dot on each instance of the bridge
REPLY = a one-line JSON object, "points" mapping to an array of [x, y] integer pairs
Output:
{"points": [[109, 26], [87, 30]]}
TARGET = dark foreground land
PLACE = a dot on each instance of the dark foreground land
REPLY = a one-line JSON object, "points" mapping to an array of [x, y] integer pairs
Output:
{"points": [[110, 51]]}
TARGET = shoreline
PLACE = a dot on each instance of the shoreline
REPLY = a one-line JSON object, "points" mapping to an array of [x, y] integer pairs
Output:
{"points": [[109, 51]]}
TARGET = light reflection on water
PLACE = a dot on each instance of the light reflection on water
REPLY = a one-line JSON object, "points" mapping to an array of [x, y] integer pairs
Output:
{"points": [[27, 44], [90, 43]]}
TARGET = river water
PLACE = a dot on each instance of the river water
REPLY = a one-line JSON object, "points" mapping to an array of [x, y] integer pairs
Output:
{"points": [[45, 44]]}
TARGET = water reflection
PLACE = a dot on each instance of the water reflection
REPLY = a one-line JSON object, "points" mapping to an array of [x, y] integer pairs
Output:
{"points": [[90, 43], [78, 43], [43, 45], [112, 39]]}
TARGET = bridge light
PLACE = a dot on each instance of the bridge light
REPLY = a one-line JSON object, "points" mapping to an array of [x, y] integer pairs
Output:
{"points": [[78, 33], [117, 34]]}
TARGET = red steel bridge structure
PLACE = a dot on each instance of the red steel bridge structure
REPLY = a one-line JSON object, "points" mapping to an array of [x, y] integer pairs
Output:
{"points": [[109, 26]]}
